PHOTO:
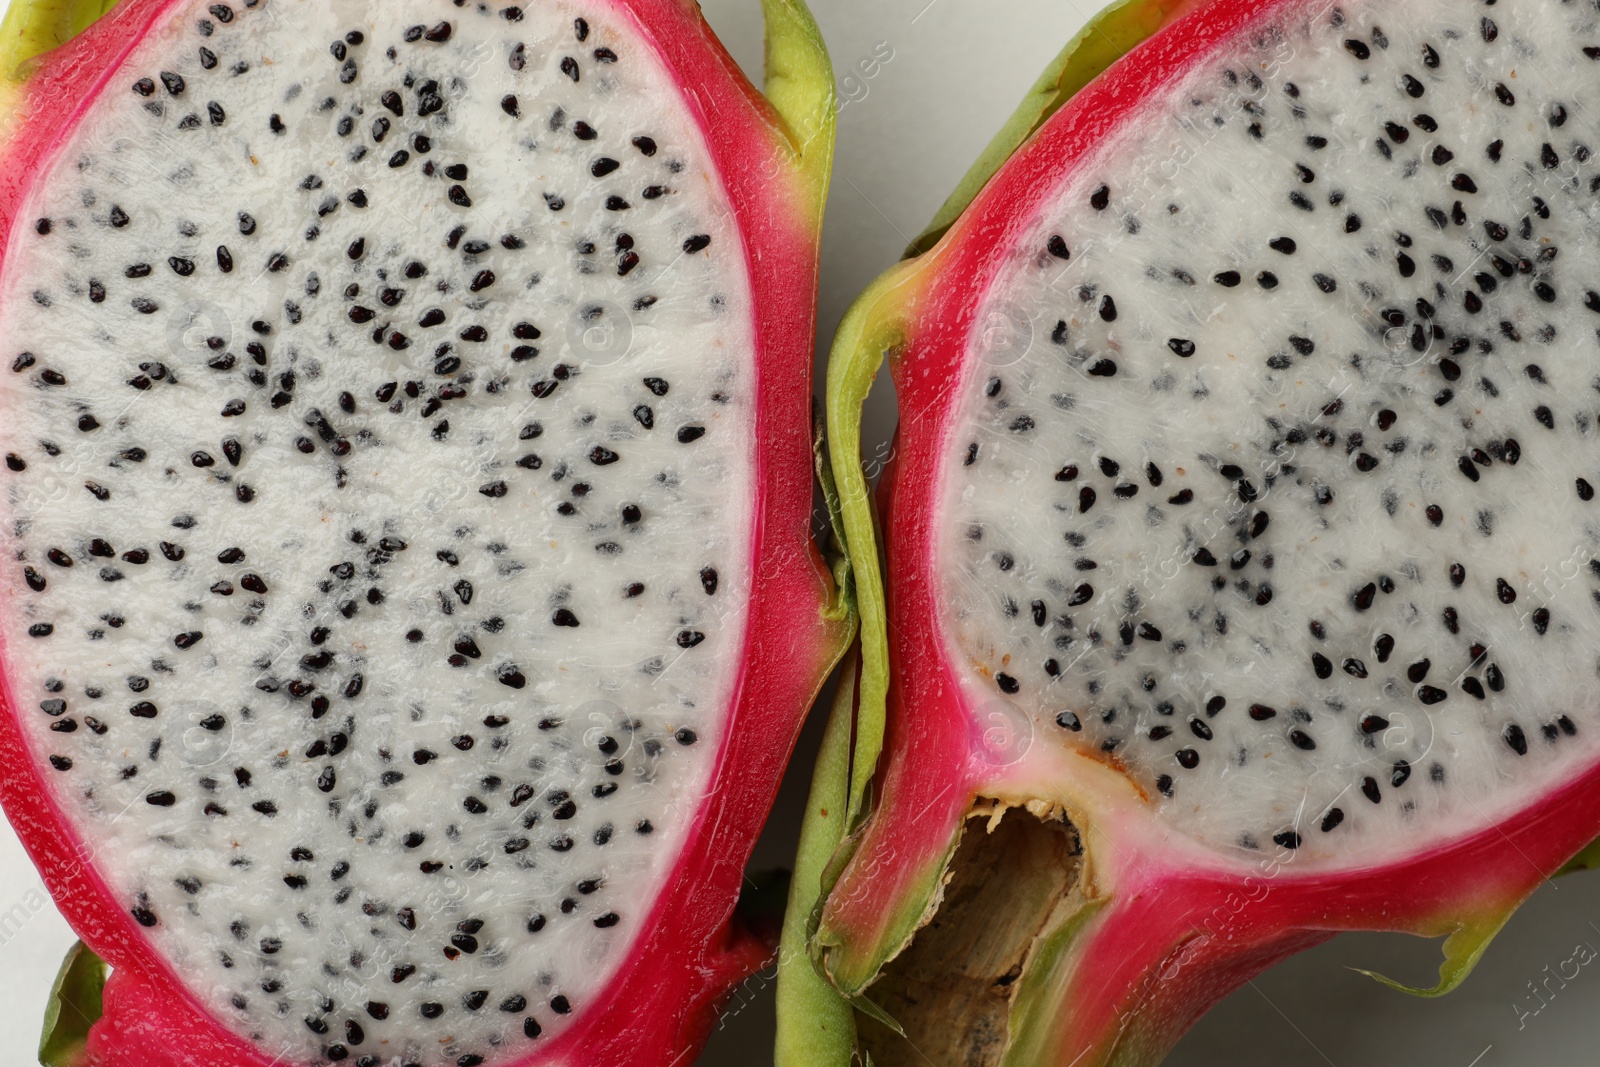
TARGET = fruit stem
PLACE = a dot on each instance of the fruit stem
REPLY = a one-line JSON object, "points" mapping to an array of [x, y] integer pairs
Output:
{"points": [[33, 27], [73, 1007], [1113, 33], [834, 550], [816, 1025], [799, 85], [873, 326]]}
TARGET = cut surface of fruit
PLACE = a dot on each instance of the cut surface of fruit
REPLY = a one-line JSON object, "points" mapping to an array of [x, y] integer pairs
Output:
{"points": [[1242, 511], [1294, 534], [407, 503]]}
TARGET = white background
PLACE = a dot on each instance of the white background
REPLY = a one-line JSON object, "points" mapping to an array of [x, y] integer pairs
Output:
{"points": [[958, 69]]}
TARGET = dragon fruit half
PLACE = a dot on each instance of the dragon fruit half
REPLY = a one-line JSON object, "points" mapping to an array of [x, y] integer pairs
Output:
{"points": [[1242, 541], [410, 600]]}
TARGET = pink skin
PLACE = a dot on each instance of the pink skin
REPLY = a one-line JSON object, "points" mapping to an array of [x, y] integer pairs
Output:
{"points": [[1178, 927], [660, 1006]]}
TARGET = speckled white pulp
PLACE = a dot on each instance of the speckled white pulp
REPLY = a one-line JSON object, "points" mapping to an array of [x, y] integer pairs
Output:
{"points": [[379, 437], [1283, 498]]}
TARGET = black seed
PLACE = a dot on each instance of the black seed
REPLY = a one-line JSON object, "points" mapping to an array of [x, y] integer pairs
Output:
{"points": [[1496, 680], [1288, 838], [1515, 738], [1369, 786], [1261, 712]]}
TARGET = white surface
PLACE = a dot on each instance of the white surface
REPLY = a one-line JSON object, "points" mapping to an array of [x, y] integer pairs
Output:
{"points": [[958, 69], [411, 481]]}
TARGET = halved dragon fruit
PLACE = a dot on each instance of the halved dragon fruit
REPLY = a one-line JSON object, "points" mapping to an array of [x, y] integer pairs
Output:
{"points": [[1243, 552], [410, 595]]}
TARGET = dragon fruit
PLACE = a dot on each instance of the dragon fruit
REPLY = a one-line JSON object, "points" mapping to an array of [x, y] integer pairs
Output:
{"points": [[1243, 566], [410, 595]]}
